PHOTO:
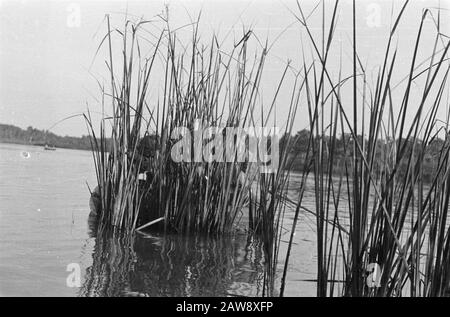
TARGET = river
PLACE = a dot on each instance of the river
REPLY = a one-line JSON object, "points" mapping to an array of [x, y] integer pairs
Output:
{"points": [[45, 239]]}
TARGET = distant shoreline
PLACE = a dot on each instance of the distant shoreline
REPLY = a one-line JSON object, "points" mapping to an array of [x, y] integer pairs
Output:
{"points": [[15, 135], [2, 141]]}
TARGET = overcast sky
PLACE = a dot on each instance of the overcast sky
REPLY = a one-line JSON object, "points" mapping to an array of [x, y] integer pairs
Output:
{"points": [[47, 47]]}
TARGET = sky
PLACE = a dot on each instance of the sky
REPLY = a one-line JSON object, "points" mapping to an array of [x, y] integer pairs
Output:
{"points": [[48, 71]]}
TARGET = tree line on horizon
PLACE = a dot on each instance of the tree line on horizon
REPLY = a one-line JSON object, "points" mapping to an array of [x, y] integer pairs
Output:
{"points": [[342, 148], [33, 136]]}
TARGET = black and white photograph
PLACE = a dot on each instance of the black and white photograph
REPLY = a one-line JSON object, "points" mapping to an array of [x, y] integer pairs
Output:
{"points": [[234, 151]]}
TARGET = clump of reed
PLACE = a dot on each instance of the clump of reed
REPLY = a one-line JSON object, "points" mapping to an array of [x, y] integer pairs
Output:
{"points": [[382, 228], [200, 86]]}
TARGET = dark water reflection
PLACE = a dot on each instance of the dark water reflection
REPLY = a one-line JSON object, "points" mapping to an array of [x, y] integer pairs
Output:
{"points": [[174, 265]]}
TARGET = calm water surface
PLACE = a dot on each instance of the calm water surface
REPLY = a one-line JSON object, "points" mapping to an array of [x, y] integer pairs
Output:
{"points": [[44, 207]]}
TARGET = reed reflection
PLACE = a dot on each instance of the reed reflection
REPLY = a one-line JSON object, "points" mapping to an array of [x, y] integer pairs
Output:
{"points": [[175, 265]]}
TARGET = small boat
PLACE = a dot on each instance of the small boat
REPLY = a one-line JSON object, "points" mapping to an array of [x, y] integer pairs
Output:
{"points": [[49, 148]]}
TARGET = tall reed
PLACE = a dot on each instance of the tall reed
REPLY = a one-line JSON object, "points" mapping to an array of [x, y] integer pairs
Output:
{"points": [[382, 228], [202, 86]]}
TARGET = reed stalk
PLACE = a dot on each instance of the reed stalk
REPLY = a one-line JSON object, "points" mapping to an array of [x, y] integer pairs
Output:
{"points": [[377, 216]]}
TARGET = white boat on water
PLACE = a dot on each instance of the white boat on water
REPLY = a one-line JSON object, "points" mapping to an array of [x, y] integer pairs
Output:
{"points": [[49, 148]]}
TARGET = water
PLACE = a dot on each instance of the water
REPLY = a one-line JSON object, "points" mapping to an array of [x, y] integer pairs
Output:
{"points": [[45, 234], [43, 213], [44, 231]]}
